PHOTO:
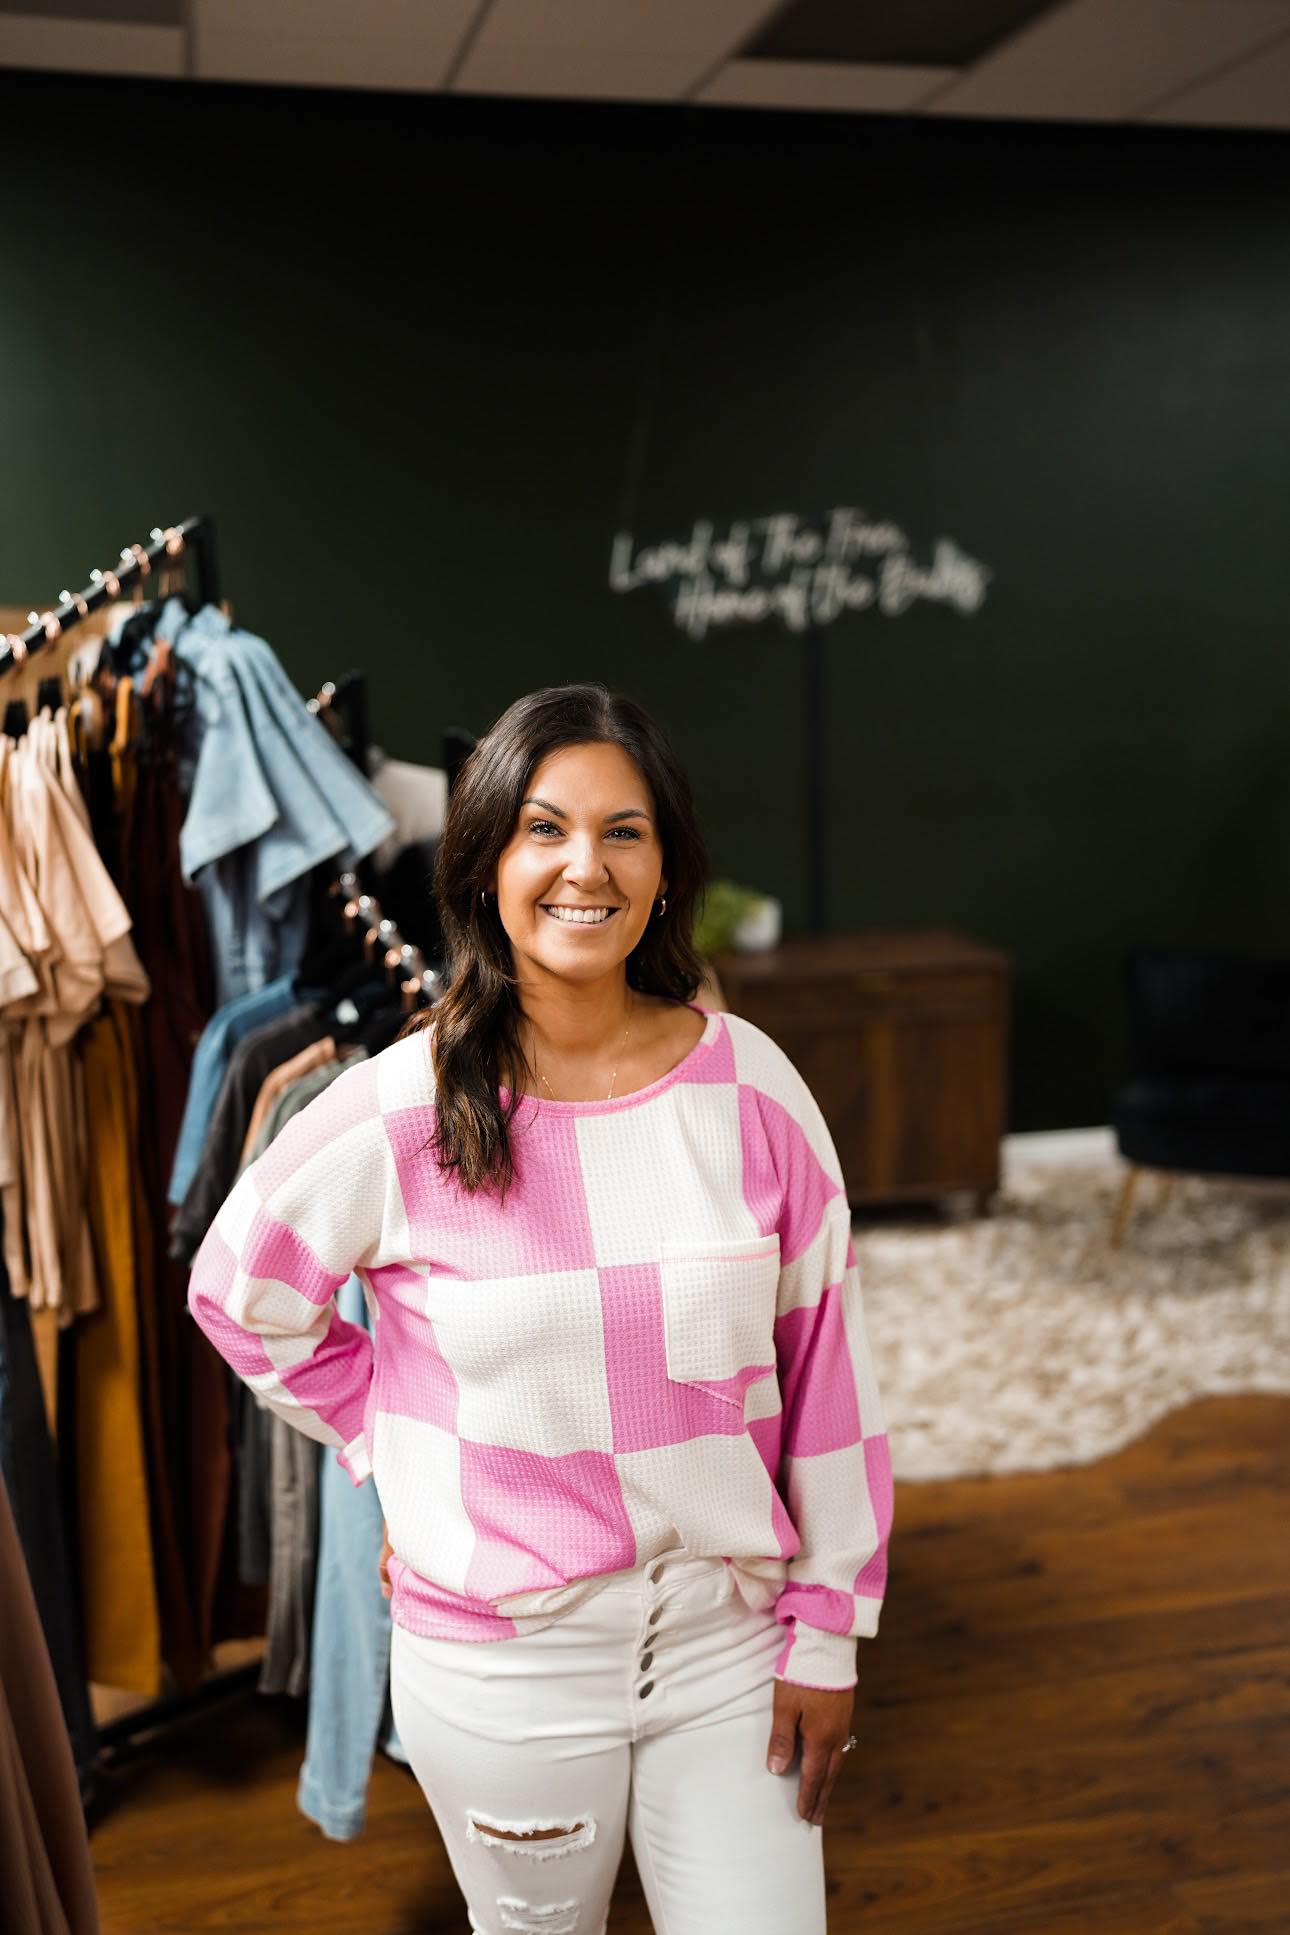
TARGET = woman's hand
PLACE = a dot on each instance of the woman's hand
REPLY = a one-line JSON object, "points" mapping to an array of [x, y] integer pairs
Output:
{"points": [[386, 1553], [825, 1721]]}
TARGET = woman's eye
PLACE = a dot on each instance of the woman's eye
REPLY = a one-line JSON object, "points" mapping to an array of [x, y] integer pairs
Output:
{"points": [[546, 826]]}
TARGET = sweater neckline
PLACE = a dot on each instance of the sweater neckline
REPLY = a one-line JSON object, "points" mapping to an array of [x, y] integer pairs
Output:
{"points": [[530, 1105]]}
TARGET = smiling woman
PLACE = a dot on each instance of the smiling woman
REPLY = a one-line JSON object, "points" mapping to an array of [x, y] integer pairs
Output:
{"points": [[618, 1399], [568, 876]]}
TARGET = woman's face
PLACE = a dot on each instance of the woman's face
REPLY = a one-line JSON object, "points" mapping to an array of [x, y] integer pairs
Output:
{"points": [[585, 841]]}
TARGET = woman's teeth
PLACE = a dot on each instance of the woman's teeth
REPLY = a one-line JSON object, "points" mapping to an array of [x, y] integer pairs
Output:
{"points": [[579, 916]]}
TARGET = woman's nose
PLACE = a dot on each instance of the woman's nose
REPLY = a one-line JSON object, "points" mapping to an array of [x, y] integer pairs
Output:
{"points": [[586, 864]]}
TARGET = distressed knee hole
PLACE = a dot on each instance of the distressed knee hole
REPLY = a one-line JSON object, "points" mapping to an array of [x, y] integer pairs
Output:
{"points": [[540, 1840], [528, 1834], [550, 1918]]}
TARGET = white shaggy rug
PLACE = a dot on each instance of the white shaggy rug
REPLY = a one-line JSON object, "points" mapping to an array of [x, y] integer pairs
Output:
{"points": [[1022, 1341]]}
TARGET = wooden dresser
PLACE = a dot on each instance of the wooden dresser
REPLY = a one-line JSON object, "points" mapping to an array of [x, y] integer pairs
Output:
{"points": [[903, 1040]]}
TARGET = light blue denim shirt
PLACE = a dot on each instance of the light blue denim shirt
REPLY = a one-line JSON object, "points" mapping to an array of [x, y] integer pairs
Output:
{"points": [[219, 1038], [268, 772], [271, 795], [350, 1643]]}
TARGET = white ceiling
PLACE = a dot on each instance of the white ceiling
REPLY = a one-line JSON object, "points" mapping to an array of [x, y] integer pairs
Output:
{"points": [[1200, 63]]}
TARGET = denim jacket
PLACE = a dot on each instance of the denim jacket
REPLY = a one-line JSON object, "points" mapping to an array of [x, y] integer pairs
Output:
{"points": [[272, 795]]}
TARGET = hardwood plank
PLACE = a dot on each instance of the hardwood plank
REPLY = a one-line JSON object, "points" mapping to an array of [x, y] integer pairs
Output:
{"points": [[1239, 1901], [1077, 1717]]}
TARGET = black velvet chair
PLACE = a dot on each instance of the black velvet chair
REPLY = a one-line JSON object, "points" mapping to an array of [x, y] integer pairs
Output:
{"points": [[1208, 1090]]}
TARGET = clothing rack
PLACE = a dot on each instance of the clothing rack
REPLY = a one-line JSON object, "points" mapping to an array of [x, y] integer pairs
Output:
{"points": [[347, 698], [195, 537], [122, 1738], [126, 1738], [401, 958]]}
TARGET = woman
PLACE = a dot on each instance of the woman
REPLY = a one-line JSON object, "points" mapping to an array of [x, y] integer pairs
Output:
{"points": [[619, 1404]]}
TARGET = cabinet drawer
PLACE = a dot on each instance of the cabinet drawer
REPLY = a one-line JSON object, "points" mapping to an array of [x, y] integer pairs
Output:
{"points": [[838, 1002]]}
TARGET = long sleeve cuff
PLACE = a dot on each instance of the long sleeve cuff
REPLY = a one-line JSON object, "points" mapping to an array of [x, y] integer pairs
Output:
{"points": [[810, 1657], [356, 1459]]}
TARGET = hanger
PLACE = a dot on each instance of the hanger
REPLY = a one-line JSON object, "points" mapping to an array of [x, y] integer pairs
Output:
{"points": [[342, 708], [391, 973], [34, 676]]}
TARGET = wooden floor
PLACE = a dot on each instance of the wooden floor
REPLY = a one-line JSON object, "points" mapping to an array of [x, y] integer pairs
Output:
{"points": [[1077, 1717]]}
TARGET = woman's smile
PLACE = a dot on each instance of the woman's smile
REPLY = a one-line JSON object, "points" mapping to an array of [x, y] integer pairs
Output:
{"points": [[577, 916]]}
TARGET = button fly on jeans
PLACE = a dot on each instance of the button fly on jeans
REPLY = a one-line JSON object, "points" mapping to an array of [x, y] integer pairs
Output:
{"points": [[648, 1686], [647, 1662], [656, 1614], [656, 1573]]}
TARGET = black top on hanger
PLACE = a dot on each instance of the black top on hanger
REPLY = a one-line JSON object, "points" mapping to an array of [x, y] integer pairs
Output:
{"points": [[350, 699]]}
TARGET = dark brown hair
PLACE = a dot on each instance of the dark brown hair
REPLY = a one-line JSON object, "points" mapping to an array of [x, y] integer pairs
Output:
{"points": [[476, 1043]]}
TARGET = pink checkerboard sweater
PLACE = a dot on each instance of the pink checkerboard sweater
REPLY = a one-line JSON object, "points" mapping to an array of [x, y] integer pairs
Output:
{"points": [[658, 1341]]}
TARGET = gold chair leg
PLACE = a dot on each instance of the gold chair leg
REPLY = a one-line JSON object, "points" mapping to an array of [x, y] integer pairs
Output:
{"points": [[1124, 1208]]}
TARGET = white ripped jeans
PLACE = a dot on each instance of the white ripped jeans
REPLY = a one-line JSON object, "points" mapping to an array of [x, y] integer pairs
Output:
{"points": [[644, 1711]]}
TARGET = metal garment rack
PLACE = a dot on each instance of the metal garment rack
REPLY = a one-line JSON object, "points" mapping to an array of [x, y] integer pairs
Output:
{"points": [[122, 1739], [403, 962], [195, 538], [347, 699]]}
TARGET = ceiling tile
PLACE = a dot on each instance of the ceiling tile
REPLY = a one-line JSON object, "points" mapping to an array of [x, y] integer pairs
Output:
{"points": [[390, 44], [1105, 60], [850, 86], [626, 49], [706, 26], [320, 60], [576, 73], [90, 46], [382, 19], [138, 13], [1253, 94]]}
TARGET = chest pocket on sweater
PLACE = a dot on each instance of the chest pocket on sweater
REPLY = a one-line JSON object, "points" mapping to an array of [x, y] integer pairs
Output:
{"points": [[719, 1306]]}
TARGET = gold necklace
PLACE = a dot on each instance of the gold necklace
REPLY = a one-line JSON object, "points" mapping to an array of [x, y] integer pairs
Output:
{"points": [[613, 1078]]}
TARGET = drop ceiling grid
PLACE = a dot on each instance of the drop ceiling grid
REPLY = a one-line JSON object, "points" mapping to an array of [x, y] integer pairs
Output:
{"points": [[1064, 68], [1209, 63]]}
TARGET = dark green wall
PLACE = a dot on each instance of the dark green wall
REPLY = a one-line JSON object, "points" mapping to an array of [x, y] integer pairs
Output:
{"points": [[421, 358]]}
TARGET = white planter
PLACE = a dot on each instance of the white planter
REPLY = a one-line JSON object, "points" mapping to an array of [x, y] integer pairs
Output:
{"points": [[760, 927]]}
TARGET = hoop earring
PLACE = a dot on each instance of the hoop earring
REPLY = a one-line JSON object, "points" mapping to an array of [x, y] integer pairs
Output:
{"points": [[662, 907], [483, 897]]}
